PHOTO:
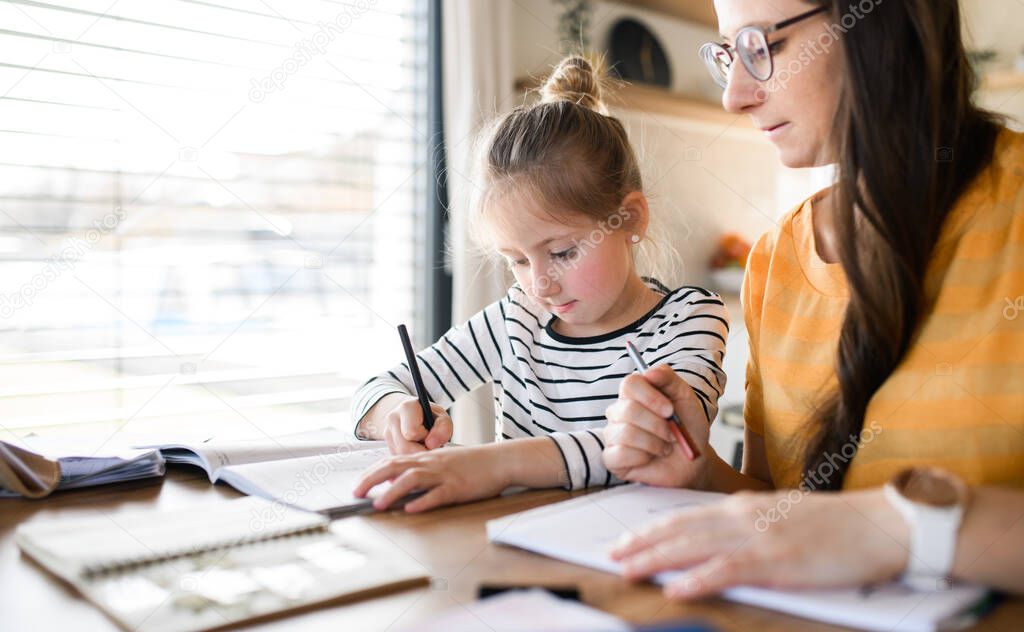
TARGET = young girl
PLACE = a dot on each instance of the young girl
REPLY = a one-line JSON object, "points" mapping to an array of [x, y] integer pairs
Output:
{"points": [[563, 203]]}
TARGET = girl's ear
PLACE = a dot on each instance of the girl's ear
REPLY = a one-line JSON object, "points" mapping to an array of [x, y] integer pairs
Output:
{"points": [[635, 214]]}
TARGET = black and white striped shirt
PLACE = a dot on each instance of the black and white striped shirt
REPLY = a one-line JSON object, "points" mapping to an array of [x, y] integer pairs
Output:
{"points": [[545, 383]]}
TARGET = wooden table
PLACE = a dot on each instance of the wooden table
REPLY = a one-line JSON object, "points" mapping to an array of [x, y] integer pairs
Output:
{"points": [[452, 543]]}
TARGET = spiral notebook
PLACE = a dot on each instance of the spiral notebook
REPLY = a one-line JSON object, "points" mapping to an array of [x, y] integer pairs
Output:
{"points": [[215, 565]]}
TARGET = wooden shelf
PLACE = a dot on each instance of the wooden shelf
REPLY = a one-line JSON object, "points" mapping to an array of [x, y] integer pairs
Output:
{"points": [[699, 11], [655, 100], [1003, 80]]}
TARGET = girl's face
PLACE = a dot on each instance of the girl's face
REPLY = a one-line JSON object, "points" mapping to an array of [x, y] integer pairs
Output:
{"points": [[573, 267], [796, 107]]}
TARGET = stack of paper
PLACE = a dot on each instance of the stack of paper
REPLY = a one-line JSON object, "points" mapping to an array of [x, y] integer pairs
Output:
{"points": [[35, 468]]}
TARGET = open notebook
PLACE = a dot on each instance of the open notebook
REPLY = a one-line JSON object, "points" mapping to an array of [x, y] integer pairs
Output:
{"points": [[582, 530], [315, 471], [215, 565]]}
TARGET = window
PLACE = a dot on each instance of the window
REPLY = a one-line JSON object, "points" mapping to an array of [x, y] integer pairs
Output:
{"points": [[210, 212]]}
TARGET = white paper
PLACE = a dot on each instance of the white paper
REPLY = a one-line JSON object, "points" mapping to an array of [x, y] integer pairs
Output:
{"points": [[583, 530], [523, 611]]}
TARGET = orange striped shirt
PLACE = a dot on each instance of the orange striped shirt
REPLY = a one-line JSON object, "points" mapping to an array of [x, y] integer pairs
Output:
{"points": [[956, 400]]}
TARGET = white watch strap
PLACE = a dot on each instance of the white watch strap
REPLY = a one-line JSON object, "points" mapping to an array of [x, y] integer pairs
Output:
{"points": [[933, 533]]}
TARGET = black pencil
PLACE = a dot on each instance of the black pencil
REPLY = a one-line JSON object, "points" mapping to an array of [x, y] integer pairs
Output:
{"points": [[417, 379]]}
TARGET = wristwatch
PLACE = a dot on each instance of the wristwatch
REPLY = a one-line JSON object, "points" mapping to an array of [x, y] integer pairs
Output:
{"points": [[932, 502]]}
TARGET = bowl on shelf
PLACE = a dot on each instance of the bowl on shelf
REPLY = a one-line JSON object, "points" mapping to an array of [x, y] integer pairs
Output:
{"points": [[726, 280]]}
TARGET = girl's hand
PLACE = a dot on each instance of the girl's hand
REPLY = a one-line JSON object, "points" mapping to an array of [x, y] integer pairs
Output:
{"points": [[405, 433], [639, 445], [777, 539], [449, 476]]}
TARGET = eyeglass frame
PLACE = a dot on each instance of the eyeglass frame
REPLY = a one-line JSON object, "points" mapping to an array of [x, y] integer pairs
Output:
{"points": [[764, 32]]}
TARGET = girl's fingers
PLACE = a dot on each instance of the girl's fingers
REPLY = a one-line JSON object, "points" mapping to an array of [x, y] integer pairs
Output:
{"points": [[377, 474], [409, 481], [436, 497], [629, 412], [441, 433], [398, 445], [412, 422]]}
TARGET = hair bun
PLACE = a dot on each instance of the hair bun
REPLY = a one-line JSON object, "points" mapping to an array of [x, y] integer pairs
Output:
{"points": [[575, 80]]}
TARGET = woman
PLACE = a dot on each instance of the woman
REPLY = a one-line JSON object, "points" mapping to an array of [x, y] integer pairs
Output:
{"points": [[883, 334]]}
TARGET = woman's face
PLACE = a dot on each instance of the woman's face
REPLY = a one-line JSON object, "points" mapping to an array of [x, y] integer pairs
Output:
{"points": [[796, 107]]}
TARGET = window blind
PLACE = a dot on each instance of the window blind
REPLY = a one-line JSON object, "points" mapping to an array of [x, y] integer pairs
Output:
{"points": [[211, 213]]}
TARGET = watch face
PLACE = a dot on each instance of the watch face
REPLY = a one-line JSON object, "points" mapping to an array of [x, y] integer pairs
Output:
{"points": [[930, 486]]}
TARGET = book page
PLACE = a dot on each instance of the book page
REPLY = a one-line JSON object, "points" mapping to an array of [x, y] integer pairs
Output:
{"points": [[322, 482], [214, 453]]}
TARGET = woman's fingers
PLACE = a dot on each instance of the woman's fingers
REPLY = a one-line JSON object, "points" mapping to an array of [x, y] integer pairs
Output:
{"points": [[639, 389], [666, 381], [409, 481], [630, 412], [631, 436], [714, 576], [620, 459], [717, 518], [673, 554], [635, 542]]}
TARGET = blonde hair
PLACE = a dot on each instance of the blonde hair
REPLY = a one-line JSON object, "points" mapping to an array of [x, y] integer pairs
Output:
{"points": [[567, 152]]}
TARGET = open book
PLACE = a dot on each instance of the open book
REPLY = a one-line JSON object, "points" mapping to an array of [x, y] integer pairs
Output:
{"points": [[36, 467], [582, 530], [214, 565], [315, 471]]}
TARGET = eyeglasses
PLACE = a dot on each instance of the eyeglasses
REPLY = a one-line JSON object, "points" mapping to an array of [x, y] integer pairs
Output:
{"points": [[753, 49]]}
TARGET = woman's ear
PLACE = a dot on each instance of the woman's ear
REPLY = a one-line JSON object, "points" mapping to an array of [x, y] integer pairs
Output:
{"points": [[635, 214]]}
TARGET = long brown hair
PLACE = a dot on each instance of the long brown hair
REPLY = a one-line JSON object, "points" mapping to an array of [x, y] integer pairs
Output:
{"points": [[908, 141]]}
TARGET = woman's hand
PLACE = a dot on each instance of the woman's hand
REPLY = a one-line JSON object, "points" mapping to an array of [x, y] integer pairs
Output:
{"points": [[778, 540], [639, 445], [405, 433], [448, 476]]}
